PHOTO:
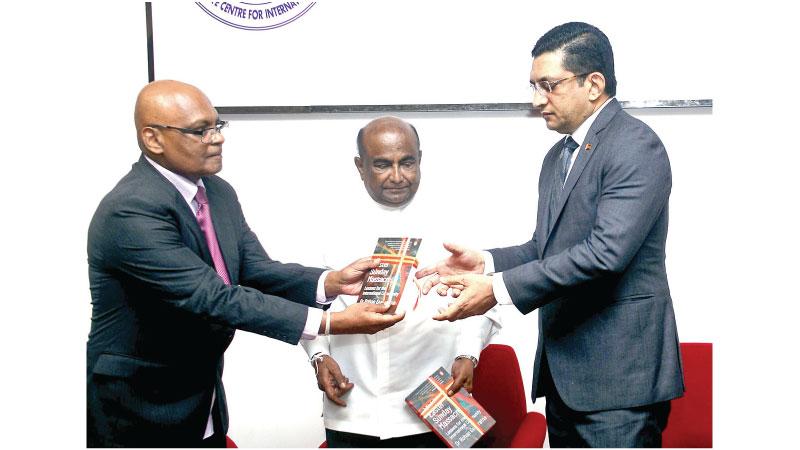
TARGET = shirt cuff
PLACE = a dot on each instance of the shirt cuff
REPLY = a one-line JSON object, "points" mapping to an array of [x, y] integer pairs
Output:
{"points": [[321, 298], [473, 336], [500, 291], [488, 262], [313, 320]]}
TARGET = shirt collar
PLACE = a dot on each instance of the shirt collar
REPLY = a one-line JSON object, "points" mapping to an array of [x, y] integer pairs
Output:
{"points": [[580, 134], [185, 186]]}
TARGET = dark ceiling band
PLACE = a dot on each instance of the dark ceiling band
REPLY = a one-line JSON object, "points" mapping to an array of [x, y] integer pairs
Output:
{"points": [[444, 107], [148, 13]]}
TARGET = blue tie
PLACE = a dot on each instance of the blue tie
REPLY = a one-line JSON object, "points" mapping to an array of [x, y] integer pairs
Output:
{"points": [[566, 155], [559, 176]]}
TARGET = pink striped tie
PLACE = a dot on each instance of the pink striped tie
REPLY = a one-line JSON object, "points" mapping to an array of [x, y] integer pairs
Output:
{"points": [[204, 220]]}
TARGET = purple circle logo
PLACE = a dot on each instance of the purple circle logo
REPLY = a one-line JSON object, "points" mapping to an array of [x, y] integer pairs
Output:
{"points": [[256, 16]]}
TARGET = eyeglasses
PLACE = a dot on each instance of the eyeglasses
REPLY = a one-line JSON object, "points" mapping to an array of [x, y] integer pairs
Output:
{"points": [[206, 134], [545, 87]]}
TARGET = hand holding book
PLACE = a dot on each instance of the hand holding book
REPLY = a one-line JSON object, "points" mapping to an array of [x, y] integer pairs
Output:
{"points": [[349, 280], [361, 318]]}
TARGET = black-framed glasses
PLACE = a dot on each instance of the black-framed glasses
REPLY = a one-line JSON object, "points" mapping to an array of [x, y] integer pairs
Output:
{"points": [[545, 87], [206, 134]]}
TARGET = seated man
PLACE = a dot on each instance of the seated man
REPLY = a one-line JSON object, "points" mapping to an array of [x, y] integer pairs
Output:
{"points": [[366, 378]]}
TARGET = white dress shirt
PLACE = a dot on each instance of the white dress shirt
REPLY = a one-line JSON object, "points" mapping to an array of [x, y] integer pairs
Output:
{"points": [[389, 365]]}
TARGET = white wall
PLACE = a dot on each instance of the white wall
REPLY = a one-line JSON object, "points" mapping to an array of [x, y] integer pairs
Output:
{"points": [[70, 76]]}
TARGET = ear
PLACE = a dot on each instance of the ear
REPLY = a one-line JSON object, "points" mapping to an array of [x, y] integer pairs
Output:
{"points": [[152, 140], [597, 85], [359, 166], [419, 156]]}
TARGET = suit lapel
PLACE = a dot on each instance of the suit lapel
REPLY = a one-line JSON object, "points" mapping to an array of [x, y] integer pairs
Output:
{"points": [[547, 183], [586, 151], [222, 216], [185, 214]]}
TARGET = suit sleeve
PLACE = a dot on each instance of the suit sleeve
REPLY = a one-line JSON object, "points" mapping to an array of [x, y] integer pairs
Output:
{"points": [[636, 182], [294, 282], [143, 245], [508, 257]]}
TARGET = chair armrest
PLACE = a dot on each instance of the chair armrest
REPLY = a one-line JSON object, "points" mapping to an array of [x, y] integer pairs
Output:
{"points": [[531, 432]]}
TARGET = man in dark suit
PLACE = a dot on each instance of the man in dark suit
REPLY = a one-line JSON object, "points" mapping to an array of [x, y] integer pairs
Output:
{"points": [[174, 270], [607, 359]]}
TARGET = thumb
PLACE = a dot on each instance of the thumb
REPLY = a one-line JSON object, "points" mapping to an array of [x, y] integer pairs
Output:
{"points": [[399, 316], [455, 249], [365, 263], [380, 308]]}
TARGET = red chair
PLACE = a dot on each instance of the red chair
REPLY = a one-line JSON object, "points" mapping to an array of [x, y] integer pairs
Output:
{"points": [[229, 443], [497, 385], [689, 424]]}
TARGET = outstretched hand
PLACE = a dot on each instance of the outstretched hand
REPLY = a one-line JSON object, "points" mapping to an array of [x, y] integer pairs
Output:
{"points": [[348, 280], [461, 260], [476, 297], [364, 317]]}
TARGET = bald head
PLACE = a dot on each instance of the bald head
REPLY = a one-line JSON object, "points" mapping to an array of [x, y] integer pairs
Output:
{"points": [[389, 160], [384, 125], [165, 105]]}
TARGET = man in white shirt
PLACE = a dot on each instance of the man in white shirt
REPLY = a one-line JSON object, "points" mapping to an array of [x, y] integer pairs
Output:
{"points": [[366, 378]]}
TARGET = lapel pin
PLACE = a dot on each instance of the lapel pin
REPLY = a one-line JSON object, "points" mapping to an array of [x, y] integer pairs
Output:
{"points": [[588, 147]]}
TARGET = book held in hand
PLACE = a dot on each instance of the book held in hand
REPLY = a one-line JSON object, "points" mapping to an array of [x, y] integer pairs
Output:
{"points": [[458, 420], [385, 283]]}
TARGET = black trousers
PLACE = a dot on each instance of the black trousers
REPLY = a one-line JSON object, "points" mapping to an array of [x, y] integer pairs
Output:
{"points": [[638, 427], [342, 439]]}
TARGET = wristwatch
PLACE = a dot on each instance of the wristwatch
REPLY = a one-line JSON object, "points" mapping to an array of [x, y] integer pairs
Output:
{"points": [[469, 357], [315, 359]]}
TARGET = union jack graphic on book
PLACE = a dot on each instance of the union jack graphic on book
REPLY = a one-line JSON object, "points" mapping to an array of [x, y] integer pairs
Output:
{"points": [[385, 283]]}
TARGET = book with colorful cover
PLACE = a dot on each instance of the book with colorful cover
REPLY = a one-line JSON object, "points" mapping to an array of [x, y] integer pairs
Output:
{"points": [[385, 283], [458, 420]]}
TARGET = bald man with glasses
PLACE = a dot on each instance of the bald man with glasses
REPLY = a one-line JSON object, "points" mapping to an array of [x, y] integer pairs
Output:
{"points": [[174, 270]]}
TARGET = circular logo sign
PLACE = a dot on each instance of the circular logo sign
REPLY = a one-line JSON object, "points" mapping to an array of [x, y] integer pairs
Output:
{"points": [[256, 15]]}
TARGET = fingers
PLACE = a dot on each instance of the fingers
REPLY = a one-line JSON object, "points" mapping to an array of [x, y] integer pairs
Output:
{"points": [[448, 314], [364, 264], [458, 383], [428, 270], [455, 281], [338, 379], [386, 320], [430, 282], [380, 308], [332, 382], [455, 249]]}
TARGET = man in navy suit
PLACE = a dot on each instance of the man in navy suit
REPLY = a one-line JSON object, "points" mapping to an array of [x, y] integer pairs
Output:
{"points": [[608, 358], [174, 270]]}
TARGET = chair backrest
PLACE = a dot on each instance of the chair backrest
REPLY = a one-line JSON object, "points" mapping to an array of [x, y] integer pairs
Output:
{"points": [[229, 443], [690, 424], [497, 385]]}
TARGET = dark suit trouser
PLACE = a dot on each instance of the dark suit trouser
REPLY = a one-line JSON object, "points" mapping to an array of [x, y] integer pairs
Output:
{"points": [[616, 428]]}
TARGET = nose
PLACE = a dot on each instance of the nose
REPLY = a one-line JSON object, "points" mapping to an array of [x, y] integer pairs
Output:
{"points": [[395, 176], [217, 137], [539, 99]]}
